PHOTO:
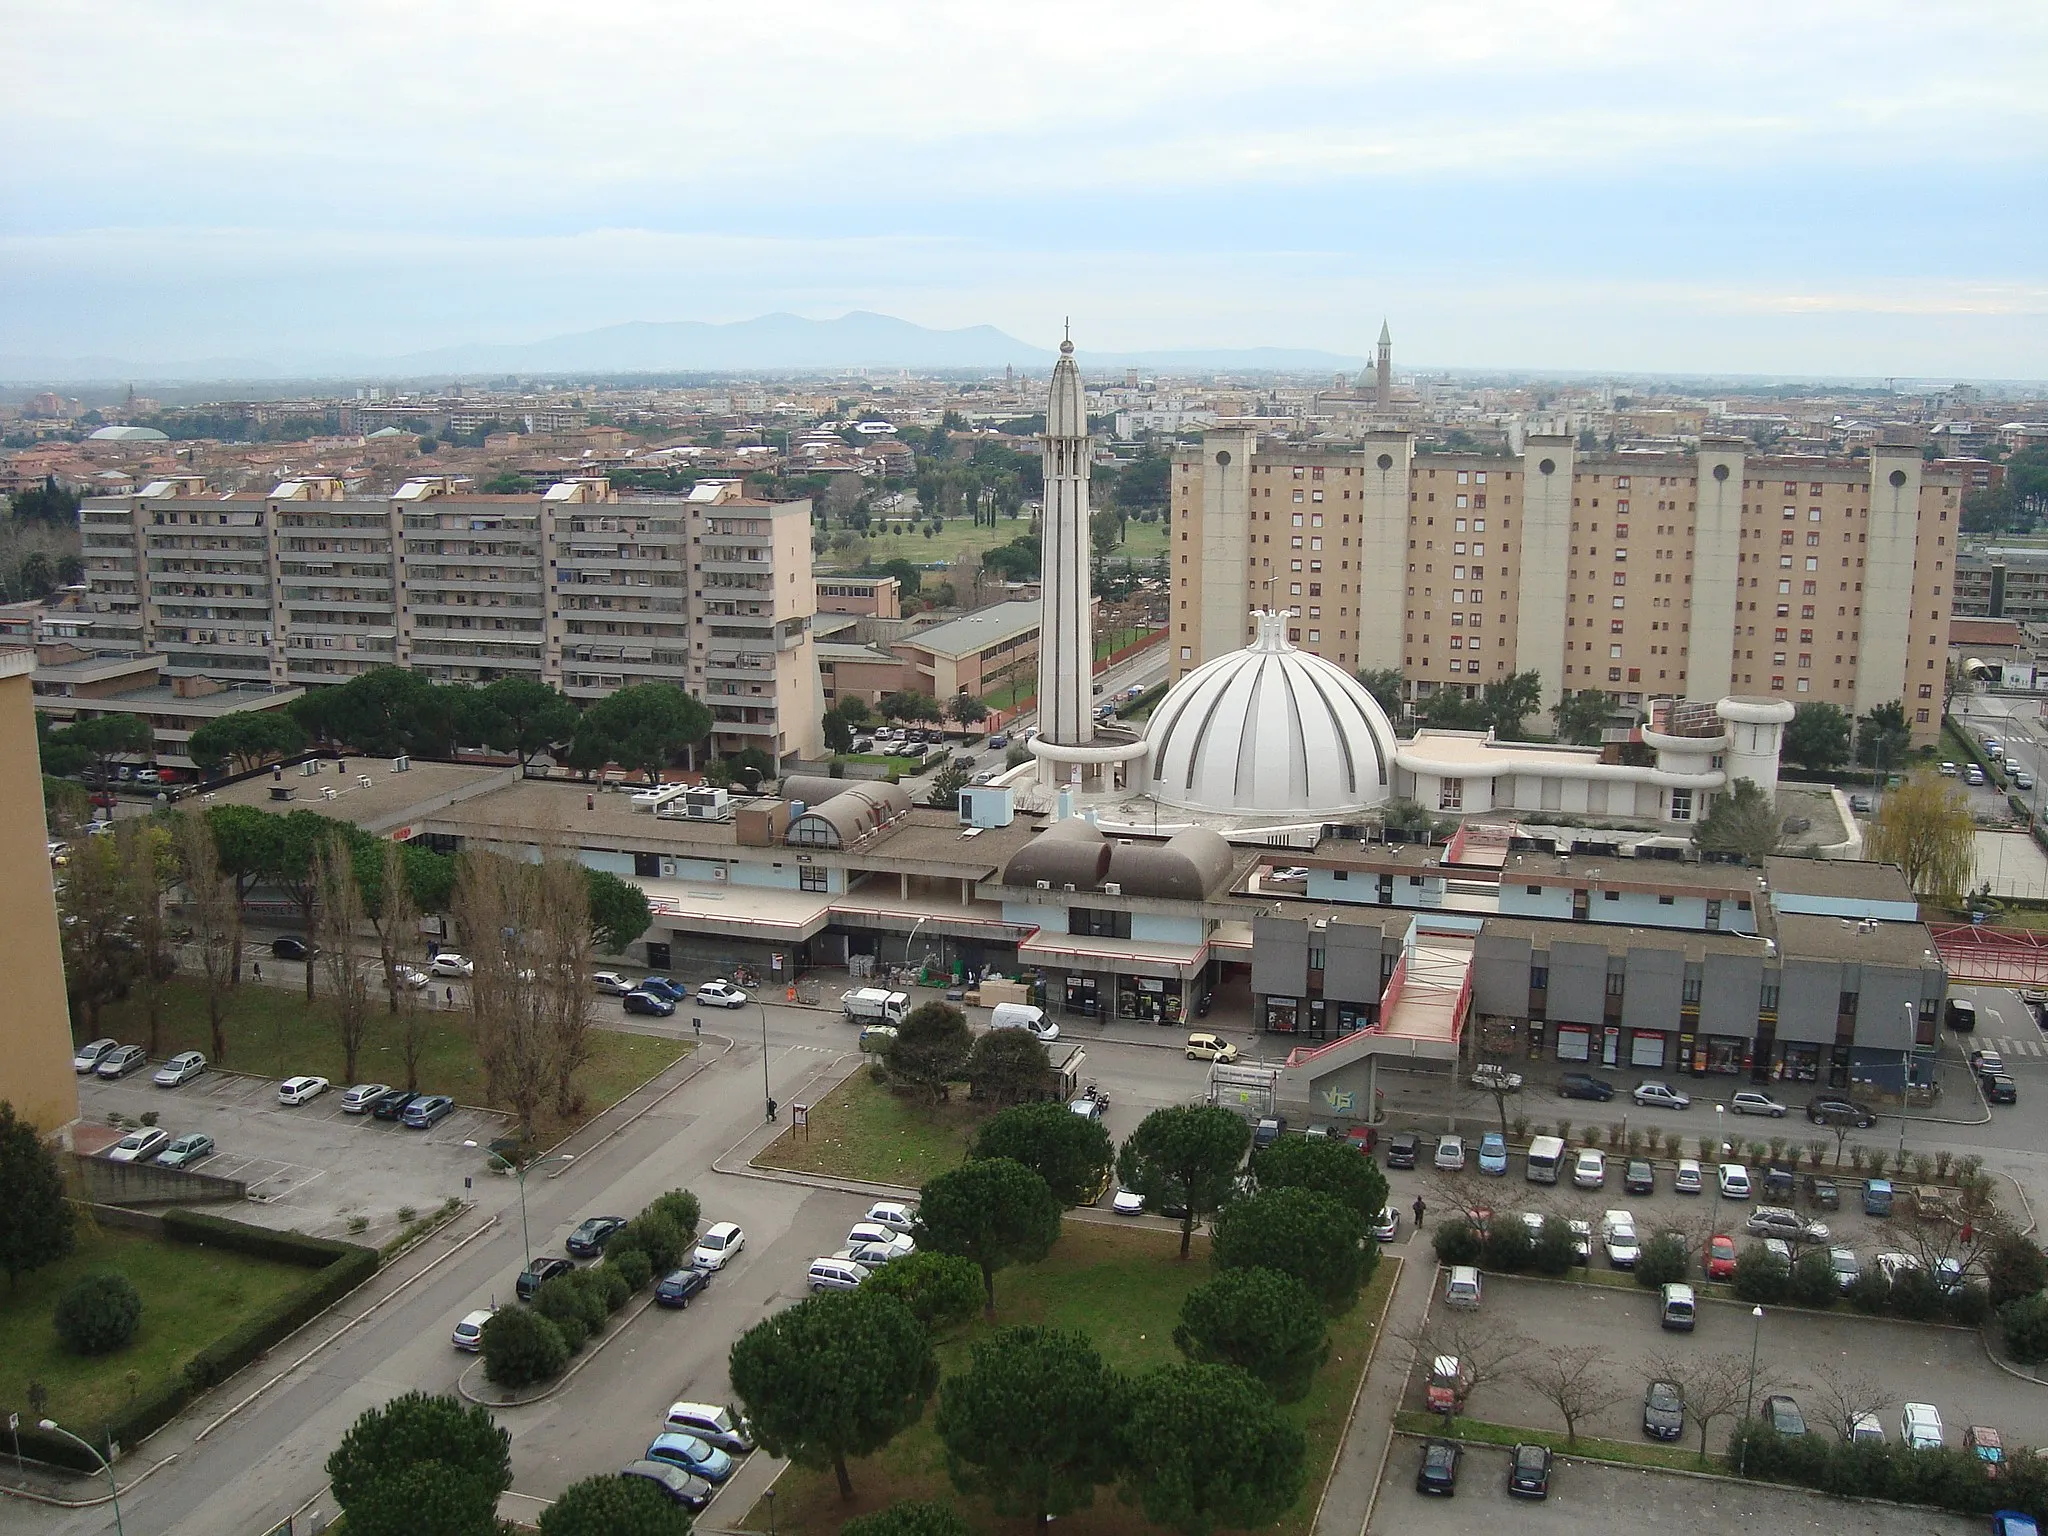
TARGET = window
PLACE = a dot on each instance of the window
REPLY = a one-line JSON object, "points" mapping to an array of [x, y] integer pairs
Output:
{"points": [[1610, 895], [1616, 980], [1539, 978], [1681, 805], [813, 877], [1451, 796]]}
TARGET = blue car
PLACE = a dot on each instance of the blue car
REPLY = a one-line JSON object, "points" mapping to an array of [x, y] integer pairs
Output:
{"points": [[680, 1285], [1493, 1153], [662, 986], [647, 1003], [692, 1455], [2010, 1522], [424, 1113]]}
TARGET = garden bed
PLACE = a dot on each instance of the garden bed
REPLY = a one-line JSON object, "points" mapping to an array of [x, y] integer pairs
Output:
{"points": [[863, 1130]]}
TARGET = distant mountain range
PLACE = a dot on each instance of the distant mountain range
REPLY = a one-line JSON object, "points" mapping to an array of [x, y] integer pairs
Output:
{"points": [[765, 344]]}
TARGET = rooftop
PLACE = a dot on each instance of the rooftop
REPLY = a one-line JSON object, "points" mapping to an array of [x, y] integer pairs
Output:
{"points": [[1844, 879], [392, 800], [1866, 943], [1541, 933], [976, 631], [163, 700]]}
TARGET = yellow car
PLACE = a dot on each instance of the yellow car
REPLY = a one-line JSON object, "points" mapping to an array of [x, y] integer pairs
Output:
{"points": [[1206, 1047]]}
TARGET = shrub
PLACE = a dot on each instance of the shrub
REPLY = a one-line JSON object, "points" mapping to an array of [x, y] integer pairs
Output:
{"points": [[564, 1303], [654, 1235], [942, 1290], [1870, 1294], [522, 1348], [1556, 1250], [680, 1207], [2025, 1325], [99, 1313], [606, 1286], [1457, 1241], [1507, 1246], [631, 1265], [1761, 1275], [1812, 1281], [1665, 1260], [1315, 1237], [1969, 1306], [2013, 1267], [1259, 1320], [1917, 1295]]}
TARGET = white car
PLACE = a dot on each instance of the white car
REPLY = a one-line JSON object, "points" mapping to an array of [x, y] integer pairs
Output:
{"points": [[469, 1333], [139, 1146], [1734, 1181], [1618, 1233], [1291, 873], [1893, 1265], [1128, 1202], [892, 1214], [1661, 1096], [720, 1242], [721, 994], [1688, 1180], [1495, 1078], [413, 977], [181, 1068], [1920, 1426], [1386, 1226], [1751, 1102], [298, 1090], [1450, 1154], [611, 983], [357, 1100], [448, 963], [1589, 1169], [872, 1234]]}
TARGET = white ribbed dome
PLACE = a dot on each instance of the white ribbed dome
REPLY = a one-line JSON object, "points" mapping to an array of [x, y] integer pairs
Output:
{"points": [[1270, 730]]}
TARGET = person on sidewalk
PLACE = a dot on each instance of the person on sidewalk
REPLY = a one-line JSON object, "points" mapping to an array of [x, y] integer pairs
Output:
{"points": [[1420, 1211]]}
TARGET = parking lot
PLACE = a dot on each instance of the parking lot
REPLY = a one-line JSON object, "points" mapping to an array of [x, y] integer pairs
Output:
{"points": [[1797, 1352], [312, 1167], [1587, 1496]]}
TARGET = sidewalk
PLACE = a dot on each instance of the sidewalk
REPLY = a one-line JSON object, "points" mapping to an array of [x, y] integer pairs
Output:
{"points": [[1347, 1503]]}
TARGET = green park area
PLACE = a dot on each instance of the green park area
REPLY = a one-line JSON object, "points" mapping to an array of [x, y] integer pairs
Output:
{"points": [[191, 1296], [1122, 1287], [274, 1032], [861, 1130], [962, 535]]}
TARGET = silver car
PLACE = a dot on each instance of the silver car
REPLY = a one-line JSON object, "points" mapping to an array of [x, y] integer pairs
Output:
{"points": [[181, 1068]]}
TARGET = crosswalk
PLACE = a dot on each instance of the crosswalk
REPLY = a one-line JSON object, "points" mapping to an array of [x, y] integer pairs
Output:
{"points": [[2008, 1045]]}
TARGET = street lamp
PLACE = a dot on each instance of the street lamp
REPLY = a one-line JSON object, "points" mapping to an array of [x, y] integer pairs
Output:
{"points": [[1720, 1129], [1906, 1072], [1749, 1392], [52, 1427], [767, 1092], [518, 1170]]}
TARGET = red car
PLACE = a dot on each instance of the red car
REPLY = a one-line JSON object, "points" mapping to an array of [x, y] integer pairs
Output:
{"points": [[1720, 1257], [1363, 1137]]}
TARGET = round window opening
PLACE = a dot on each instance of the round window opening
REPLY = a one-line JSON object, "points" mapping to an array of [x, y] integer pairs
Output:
{"points": [[1898, 478], [1386, 461], [1223, 457], [1720, 471], [1548, 467]]}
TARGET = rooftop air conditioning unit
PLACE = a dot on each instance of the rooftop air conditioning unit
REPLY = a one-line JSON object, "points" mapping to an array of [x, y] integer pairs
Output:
{"points": [[1112, 888], [1045, 885], [401, 764]]}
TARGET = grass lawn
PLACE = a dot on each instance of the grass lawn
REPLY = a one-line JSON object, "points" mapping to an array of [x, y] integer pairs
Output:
{"points": [[190, 1296], [274, 1032], [1628, 1453], [1123, 1286], [1142, 541], [860, 1130]]}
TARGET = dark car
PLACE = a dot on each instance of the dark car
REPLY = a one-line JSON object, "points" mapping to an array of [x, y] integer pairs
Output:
{"points": [[662, 986], [1664, 1411], [1529, 1472], [647, 1002], [685, 1488], [1403, 1147], [427, 1111], [289, 948], [1439, 1470], [1999, 1089], [678, 1286], [1784, 1415], [1583, 1085], [1641, 1177], [393, 1105], [538, 1273], [588, 1240], [1832, 1111], [1267, 1131]]}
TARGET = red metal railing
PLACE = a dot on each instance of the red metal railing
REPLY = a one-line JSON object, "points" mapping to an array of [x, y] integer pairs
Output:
{"points": [[1986, 953]]}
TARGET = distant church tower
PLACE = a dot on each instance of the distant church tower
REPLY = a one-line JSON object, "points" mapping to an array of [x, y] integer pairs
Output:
{"points": [[1383, 372], [1066, 646]]}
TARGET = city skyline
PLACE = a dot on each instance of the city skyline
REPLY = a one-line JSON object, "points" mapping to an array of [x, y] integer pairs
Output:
{"points": [[1831, 192]]}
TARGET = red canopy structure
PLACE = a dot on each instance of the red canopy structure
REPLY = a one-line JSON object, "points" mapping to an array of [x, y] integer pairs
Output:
{"points": [[2003, 956]]}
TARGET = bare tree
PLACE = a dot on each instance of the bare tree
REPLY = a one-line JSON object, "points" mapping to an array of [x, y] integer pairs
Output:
{"points": [[146, 864], [337, 914], [1844, 1396], [1715, 1386], [97, 909], [495, 900], [566, 949], [1486, 1349], [214, 916], [398, 935], [1573, 1379]]}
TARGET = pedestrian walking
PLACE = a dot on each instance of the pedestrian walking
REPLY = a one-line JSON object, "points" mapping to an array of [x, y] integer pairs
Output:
{"points": [[451, 997], [256, 968], [1421, 1210]]}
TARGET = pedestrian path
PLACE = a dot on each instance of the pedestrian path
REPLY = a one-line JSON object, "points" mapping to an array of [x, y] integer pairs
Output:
{"points": [[2010, 1045]]}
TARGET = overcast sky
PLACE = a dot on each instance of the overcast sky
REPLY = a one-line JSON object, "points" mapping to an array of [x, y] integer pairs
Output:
{"points": [[1803, 187]]}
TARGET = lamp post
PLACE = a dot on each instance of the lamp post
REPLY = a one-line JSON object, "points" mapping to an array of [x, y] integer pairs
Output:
{"points": [[1906, 1073], [52, 1427], [1720, 1128], [518, 1171], [767, 1093], [1749, 1392]]}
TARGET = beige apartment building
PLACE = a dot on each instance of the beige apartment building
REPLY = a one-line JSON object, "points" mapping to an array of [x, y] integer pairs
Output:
{"points": [[578, 587], [1693, 575]]}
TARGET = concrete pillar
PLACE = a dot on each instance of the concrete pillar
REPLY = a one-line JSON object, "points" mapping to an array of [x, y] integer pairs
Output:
{"points": [[1543, 533], [1717, 581]]}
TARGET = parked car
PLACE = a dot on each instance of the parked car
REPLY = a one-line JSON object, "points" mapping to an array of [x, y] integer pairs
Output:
{"points": [[1589, 1169], [289, 948], [186, 1150], [1529, 1472], [869, 1234], [684, 1488], [1269, 1129], [1618, 1235], [1920, 1426], [451, 965], [1734, 1181], [469, 1333], [696, 1456], [180, 1069], [721, 1426], [1867, 1429], [392, 1105], [427, 1111], [721, 1240], [647, 1003], [893, 1214], [300, 1090], [1784, 1415], [1829, 1111], [1720, 1261], [1583, 1085], [1127, 1202], [1687, 1180], [1664, 1411], [591, 1234], [139, 1146], [1450, 1154], [1203, 1046], [360, 1099], [2021, 779], [1948, 770], [1892, 1265], [1403, 1147], [1640, 1177], [1986, 1062], [1386, 1226], [1493, 1153], [91, 1054], [721, 994], [120, 1061], [1494, 1078], [2000, 1090], [1660, 1095], [1984, 1443], [539, 1272], [664, 986], [1848, 1269], [411, 976], [611, 983], [1438, 1473], [1860, 804], [678, 1286], [1750, 1101], [1777, 1221]]}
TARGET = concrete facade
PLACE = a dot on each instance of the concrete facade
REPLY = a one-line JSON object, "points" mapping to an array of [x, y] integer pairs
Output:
{"points": [[35, 1028]]}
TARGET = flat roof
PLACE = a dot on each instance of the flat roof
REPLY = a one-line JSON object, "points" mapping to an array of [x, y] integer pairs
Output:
{"points": [[1850, 879], [845, 650], [1544, 932], [161, 700], [1839, 938], [88, 669], [393, 800], [1611, 871], [976, 631]]}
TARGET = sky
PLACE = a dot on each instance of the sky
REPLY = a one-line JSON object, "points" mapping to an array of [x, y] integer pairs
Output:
{"points": [[1618, 186]]}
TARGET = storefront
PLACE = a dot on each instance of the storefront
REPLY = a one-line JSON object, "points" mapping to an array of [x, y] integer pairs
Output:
{"points": [[1799, 1062], [1574, 1042], [1282, 1015], [1082, 995], [1727, 1055], [1150, 999], [1648, 1048]]}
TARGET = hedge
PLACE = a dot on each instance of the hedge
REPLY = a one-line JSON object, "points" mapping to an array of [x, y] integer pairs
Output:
{"points": [[259, 1242], [1951, 1479]]}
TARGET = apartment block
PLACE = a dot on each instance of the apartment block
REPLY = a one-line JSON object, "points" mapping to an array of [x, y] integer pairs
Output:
{"points": [[1643, 575], [578, 587]]}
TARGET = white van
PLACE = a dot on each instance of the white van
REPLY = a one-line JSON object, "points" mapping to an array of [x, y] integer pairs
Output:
{"points": [[1679, 1308], [835, 1274], [1546, 1153], [1023, 1016], [873, 1005], [1461, 1289]]}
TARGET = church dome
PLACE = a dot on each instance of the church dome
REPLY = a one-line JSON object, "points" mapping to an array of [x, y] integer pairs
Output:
{"points": [[1270, 730]]}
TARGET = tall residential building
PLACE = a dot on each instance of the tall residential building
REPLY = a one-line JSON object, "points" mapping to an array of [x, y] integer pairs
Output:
{"points": [[1640, 574], [35, 1040], [578, 587]]}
